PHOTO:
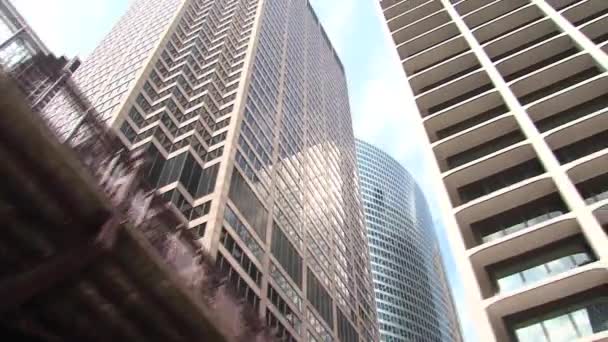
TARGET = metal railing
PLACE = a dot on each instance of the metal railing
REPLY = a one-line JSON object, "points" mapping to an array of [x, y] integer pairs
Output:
{"points": [[75, 123], [72, 119]]}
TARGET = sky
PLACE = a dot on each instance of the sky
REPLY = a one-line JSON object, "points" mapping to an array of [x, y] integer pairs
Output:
{"points": [[382, 105]]}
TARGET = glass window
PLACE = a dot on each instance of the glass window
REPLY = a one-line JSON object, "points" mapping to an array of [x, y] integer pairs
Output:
{"points": [[582, 321], [561, 329], [566, 324], [561, 265], [286, 254], [516, 219], [581, 258], [535, 273], [320, 299], [510, 283], [533, 333], [548, 261], [248, 204]]}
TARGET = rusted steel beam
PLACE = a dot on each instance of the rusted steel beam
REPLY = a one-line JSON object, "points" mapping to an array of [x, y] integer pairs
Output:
{"points": [[20, 288], [63, 314], [137, 304], [29, 329], [105, 309]]}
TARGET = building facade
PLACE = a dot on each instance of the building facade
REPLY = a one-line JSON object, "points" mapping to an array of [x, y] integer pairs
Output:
{"points": [[513, 96], [412, 296], [242, 108], [20, 49]]}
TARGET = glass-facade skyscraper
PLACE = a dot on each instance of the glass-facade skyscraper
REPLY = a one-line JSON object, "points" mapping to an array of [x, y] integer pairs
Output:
{"points": [[513, 97], [412, 295], [242, 108]]}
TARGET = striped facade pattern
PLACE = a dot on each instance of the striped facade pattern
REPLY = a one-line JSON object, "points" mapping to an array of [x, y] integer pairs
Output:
{"points": [[242, 109], [412, 294], [512, 95]]}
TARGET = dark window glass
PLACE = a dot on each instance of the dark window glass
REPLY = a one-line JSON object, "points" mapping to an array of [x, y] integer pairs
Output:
{"points": [[237, 253], [172, 170], [484, 149], [516, 219], [237, 283], [525, 45], [319, 298], [155, 164], [278, 329], [206, 181], [281, 305], [573, 113], [500, 180], [128, 131], [346, 331], [476, 120], [566, 320], [188, 169], [560, 85], [248, 204], [461, 98], [548, 261], [595, 189], [582, 147], [286, 254], [243, 232]]}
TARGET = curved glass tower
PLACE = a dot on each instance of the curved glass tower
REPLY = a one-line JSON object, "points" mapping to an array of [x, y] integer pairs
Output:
{"points": [[414, 302]]}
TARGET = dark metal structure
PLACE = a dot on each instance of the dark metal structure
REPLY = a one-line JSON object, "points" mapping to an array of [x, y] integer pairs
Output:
{"points": [[88, 251]]}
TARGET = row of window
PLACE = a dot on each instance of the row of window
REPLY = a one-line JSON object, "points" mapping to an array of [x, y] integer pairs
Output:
{"points": [[243, 233], [484, 149], [319, 298], [595, 189], [237, 283], [281, 305], [183, 205], [532, 267], [278, 329], [516, 219], [184, 168], [346, 331], [582, 147], [290, 291], [248, 204], [502, 179], [470, 122], [237, 253], [575, 318], [286, 254]]}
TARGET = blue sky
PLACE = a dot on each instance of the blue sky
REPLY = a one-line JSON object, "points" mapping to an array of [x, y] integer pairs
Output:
{"points": [[384, 112]]}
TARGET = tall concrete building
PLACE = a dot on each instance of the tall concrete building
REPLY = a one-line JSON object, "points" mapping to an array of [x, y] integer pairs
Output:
{"points": [[413, 299], [512, 95], [242, 108]]}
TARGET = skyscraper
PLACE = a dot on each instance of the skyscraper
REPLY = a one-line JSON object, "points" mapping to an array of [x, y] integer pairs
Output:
{"points": [[412, 296], [242, 108], [513, 96]]}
